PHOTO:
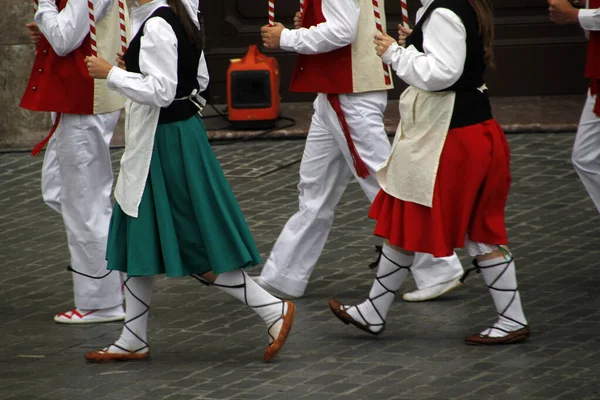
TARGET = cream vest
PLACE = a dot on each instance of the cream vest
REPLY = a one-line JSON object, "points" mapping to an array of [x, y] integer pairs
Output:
{"points": [[367, 68], [108, 43]]}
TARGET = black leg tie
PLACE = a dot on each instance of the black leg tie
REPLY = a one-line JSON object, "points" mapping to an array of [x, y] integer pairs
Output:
{"points": [[387, 290], [70, 269], [379, 251], [145, 346]]}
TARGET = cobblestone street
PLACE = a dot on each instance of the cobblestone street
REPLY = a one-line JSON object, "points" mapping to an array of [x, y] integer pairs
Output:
{"points": [[215, 352]]}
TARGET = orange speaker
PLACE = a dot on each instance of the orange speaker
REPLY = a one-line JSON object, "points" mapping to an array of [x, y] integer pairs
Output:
{"points": [[253, 90]]}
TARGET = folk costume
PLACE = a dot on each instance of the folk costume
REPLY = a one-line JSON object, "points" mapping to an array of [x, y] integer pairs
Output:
{"points": [[175, 212], [347, 137], [586, 149], [446, 182], [77, 172]]}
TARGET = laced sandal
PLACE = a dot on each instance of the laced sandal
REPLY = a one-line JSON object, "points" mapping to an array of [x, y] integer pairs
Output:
{"points": [[101, 356], [276, 343], [340, 311], [509, 337], [104, 356]]}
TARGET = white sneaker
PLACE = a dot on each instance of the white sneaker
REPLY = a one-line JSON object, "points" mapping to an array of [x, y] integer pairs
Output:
{"points": [[79, 316], [433, 291], [277, 293]]}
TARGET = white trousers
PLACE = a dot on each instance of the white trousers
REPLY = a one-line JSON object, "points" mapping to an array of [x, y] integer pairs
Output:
{"points": [[77, 182], [325, 171], [586, 150]]}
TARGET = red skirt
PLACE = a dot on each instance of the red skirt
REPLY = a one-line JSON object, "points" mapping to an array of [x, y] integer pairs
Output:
{"points": [[469, 197]]}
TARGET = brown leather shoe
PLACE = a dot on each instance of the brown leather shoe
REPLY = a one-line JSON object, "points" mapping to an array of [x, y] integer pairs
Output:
{"points": [[286, 327], [336, 307], [103, 356], [514, 337]]}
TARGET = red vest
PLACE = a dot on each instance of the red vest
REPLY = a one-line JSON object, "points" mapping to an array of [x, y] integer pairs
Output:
{"points": [[60, 84], [322, 73]]}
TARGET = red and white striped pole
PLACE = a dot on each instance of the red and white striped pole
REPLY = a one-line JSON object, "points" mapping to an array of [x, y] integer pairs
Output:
{"points": [[35, 5], [122, 26], [271, 12], [404, 13], [92, 28], [386, 71], [302, 6]]}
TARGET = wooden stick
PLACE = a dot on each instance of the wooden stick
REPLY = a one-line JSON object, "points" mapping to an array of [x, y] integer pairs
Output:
{"points": [[92, 28], [386, 71], [404, 7], [122, 26], [271, 12]]}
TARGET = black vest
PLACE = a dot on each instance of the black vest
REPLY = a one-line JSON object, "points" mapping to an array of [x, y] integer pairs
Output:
{"points": [[471, 106], [188, 59]]}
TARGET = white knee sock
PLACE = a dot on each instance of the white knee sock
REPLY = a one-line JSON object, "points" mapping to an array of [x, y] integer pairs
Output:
{"points": [[500, 277], [393, 268], [138, 292], [238, 284]]}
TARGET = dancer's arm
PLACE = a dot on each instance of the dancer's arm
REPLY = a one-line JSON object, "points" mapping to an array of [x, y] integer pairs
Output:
{"points": [[441, 63], [157, 83], [66, 30], [338, 31]]}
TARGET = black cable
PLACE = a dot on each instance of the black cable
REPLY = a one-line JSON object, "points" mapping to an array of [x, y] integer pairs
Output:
{"points": [[225, 116]]}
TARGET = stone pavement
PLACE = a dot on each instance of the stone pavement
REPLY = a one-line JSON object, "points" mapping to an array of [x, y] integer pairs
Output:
{"points": [[205, 345]]}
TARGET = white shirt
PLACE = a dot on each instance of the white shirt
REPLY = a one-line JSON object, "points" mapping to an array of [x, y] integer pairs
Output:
{"points": [[148, 91], [66, 30], [589, 19], [338, 31], [444, 52], [157, 83]]}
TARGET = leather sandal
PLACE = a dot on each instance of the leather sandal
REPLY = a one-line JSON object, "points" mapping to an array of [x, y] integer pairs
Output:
{"points": [[339, 311], [278, 342]]}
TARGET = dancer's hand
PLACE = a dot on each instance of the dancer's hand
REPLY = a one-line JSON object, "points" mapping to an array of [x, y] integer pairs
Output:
{"points": [[34, 32], [271, 35], [562, 12], [298, 20], [382, 43], [98, 68], [120, 61], [403, 33]]}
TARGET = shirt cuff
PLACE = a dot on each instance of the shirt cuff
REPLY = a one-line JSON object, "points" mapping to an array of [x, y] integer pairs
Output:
{"points": [[287, 39], [115, 78], [387, 57], [586, 19]]}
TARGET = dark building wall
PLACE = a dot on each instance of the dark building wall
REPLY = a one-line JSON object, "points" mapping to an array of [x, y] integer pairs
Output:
{"points": [[534, 57]]}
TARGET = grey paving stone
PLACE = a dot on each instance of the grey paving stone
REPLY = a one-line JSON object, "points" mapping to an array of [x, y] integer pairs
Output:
{"points": [[215, 352]]}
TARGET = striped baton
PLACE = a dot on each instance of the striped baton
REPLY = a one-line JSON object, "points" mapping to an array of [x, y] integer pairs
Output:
{"points": [[302, 6], [404, 13], [122, 26], [386, 72], [92, 28], [271, 12]]}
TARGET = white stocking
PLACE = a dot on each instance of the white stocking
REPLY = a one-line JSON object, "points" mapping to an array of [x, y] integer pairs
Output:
{"points": [[238, 284], [500, 277], [393, 268], [138, 292]]}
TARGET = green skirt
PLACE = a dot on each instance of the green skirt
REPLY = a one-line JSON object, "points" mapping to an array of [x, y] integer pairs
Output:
{"points": [[189, 221]]}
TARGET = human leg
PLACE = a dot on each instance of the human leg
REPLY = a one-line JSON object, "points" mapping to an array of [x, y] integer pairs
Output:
{"points": [[370, 315], [324, 176], [82, 150], [586, 151]]}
